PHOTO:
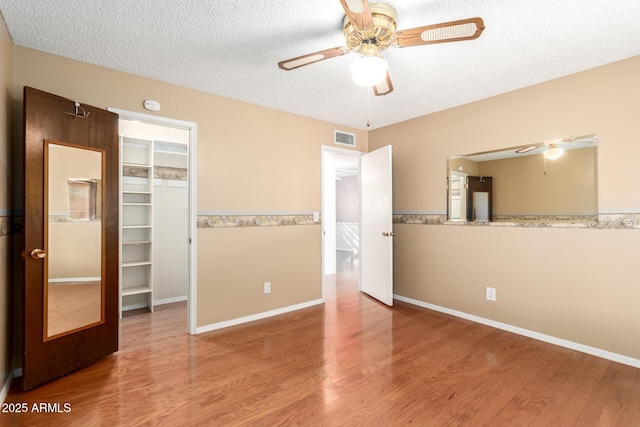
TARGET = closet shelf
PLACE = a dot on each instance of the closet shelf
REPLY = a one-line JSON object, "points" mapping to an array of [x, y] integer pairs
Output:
{"points": [[137, 165], [136, 204], [136, 290], [136, 192], [138, 242], [171, 152], [135, 263], [130, 227]]}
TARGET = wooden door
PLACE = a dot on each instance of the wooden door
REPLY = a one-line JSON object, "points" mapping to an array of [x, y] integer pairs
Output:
{"points": [[479, 184], [377, 225], [57, 130]]}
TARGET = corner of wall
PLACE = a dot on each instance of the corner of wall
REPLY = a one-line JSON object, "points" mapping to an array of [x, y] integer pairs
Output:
{"points": [[7, 209]]}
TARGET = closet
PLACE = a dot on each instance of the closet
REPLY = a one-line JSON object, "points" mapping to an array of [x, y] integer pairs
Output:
{"points": [[154, 215]]}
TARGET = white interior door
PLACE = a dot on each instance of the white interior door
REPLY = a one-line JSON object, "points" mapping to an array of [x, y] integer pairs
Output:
{"points": [[377, 225]]}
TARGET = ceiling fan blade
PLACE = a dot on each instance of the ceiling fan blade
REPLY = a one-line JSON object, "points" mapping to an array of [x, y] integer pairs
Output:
{"points": [[464, 29], [358, 13], [301, 61], [383, 87], [582, 139]]}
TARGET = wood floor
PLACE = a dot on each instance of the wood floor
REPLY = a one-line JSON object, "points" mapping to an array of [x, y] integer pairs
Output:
{"points": [[351, 362]]}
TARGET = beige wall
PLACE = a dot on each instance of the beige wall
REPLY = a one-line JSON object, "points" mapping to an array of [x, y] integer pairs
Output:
{"points": [[6, 205], [250, 159], [240, 260], [348, 199], [521, 186], [74, 249], [576, 284], [469, 167]]}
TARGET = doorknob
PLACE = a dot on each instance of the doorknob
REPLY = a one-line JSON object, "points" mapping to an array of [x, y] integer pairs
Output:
{"points": [[388, 234], [38, 254]]}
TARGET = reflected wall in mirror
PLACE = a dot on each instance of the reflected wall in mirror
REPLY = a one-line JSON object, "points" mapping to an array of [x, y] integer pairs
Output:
{"points": [[528, 183], [74, 288]]}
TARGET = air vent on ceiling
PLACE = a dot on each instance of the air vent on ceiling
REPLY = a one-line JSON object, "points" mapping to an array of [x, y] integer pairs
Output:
{"points": [[344, 138]]}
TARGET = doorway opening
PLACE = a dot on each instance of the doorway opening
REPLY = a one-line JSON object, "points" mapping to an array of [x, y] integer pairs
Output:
{"points": [[340, 215], [457, 196], [157, 213]]}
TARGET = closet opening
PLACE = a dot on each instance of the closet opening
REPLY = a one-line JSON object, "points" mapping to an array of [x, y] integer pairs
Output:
{"points": [[157, 213]]}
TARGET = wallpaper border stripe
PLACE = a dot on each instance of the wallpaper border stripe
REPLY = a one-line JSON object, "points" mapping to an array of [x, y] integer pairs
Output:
{"points": [[619, 221], [255, 220]]}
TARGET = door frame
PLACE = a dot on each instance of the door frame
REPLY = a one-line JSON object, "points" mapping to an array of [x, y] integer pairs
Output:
{"points": [[325, 169], [191, 173]]}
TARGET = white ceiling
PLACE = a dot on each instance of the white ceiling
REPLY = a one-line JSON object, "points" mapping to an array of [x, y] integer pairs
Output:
{"points": [[231, 48]]}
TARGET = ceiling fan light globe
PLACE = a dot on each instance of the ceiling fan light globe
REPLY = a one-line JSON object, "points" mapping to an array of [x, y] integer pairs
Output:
{"points": [[369, 70], [553, 152]]}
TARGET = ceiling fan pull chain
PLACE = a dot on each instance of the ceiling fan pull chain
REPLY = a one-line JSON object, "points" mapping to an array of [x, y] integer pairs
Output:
{"points": [[368, 108]]}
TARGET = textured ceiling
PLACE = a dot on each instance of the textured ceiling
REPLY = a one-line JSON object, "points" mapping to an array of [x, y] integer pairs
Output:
{"points": [[231, 48]]}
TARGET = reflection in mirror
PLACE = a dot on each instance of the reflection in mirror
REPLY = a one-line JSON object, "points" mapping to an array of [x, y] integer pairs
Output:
{"points": [[73, 285], [542, 182], [457, 196]]}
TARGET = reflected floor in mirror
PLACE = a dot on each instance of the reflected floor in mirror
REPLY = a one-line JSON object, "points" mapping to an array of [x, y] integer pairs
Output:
{"points": [[351, 361], [73, 305]]}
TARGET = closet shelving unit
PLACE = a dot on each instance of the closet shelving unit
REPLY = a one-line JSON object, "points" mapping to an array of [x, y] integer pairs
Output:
{"points": [[136, 213], [136, 230]]}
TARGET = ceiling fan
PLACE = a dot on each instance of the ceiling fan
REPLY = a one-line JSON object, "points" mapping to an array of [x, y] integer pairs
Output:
{"points": [[370, 28], [552, 149], [555, 149]]}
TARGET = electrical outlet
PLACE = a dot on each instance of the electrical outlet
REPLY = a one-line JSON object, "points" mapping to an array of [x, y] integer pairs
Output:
{"points": [[491, 294], [267, 287]]}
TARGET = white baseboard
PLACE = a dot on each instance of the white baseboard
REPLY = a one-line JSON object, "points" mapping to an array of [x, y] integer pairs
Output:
{"points": [[527, 333], [254, 317], [169, 300], [6, 385]]}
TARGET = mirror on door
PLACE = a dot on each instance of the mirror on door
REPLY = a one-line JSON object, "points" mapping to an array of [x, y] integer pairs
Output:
{"points": [[74, 262]]}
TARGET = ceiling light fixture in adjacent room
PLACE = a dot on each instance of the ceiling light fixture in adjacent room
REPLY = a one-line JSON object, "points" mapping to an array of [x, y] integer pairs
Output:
{"points": [[553, 152]]}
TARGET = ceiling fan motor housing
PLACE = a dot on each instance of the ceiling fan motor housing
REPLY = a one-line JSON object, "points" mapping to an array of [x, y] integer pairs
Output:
{"points": [[381, 35]]}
